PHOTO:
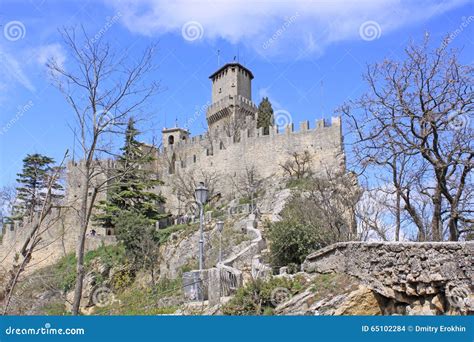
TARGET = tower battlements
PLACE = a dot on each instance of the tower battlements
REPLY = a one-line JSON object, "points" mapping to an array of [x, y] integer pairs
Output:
{"points": [[224, 108], [253, 134]]}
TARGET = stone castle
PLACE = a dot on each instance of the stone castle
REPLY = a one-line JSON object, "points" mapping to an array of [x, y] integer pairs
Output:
{"points": [[232, 145]]}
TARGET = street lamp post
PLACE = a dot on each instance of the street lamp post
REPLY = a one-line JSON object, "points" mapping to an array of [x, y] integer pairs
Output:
{"points": [[201, 193], [220, 227]]}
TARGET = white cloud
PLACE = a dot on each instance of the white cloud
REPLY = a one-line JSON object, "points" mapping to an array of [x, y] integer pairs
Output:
{"points": [[274, 27], [51, 51], [16, 65], [264, 92], [12, 71]]}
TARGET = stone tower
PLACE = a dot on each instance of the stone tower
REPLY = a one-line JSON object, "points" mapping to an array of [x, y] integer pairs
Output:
{"points": [[171, 136], [231, 97]]}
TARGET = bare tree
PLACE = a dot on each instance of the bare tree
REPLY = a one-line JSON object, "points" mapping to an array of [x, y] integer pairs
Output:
{"points": [[413, 128], [32, 243], [185, 182], [298, 164], [103, 89], [248, 184], [335, 196]]}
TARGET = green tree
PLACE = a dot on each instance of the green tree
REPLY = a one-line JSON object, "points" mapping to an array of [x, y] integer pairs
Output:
{"points": [[132, 189], [292, 241], [140, 240], [33, 183], [265, 115]]}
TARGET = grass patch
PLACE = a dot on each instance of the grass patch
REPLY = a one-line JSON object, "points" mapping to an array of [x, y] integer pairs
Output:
{"points": [[301, 183], [65, 269], [56, 309], [164, 234], [109, 255], [138, 301], [325, 285]]}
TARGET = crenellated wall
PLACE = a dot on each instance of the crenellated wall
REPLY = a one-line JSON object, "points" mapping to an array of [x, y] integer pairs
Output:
{"points": [[228, 157]]}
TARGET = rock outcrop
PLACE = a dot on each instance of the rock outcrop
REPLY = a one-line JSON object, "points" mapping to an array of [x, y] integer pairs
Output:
{"points": [[409, 277]]}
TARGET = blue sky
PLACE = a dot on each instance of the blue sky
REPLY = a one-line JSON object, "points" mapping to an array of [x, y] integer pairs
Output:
{"points": [[307, 56]]}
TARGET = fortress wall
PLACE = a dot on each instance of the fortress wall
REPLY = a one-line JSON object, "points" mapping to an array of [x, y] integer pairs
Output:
{"points": [[59, 233], [59, 230], [264, 152], [75, 179], [58, 237]]}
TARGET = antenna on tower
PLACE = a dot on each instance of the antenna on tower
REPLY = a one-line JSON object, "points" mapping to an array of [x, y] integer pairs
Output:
{"points": [[218, 57]]}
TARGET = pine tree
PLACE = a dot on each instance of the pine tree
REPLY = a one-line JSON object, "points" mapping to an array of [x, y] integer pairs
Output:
{"points": [[131, 192], [33, 184], [265, 115]]}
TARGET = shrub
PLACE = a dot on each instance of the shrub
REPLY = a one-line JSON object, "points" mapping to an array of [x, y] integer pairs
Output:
{"points": [[313, 218], [291, 242], [256, 297]]}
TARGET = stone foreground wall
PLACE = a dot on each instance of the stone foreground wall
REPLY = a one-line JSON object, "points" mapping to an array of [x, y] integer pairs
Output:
{"points": [[404, 271]]}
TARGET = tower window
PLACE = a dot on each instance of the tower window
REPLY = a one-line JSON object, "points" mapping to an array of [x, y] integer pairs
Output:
{"points": [[233, 69], [220, 90], [194, 158], [171, 140]]}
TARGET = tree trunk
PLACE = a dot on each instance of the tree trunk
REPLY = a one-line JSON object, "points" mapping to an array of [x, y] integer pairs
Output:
{"points": [[398, 217], [436, 220], [81, 240]]}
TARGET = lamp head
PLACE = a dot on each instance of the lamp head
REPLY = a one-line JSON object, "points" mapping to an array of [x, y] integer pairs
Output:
{"points": [[220, 226], [201, 193]]}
